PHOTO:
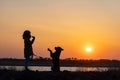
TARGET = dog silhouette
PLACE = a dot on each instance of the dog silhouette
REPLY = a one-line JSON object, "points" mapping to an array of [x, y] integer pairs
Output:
{"points": [[55, 59]]}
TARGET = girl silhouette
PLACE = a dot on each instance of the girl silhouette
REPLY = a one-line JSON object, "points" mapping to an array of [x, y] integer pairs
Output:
{"points": [[28, 51]]}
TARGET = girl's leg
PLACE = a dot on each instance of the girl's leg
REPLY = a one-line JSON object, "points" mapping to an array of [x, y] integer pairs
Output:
{"points": [[26, 63]]}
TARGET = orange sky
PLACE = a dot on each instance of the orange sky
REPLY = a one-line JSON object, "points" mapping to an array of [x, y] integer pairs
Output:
{"points": [[71, 24]]}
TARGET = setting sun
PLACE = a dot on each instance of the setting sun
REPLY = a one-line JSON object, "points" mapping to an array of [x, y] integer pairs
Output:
{"points": [[88, 49]]}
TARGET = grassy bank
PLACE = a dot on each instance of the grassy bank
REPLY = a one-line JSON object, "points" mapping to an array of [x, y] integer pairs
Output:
{"points": [[65, 75]]}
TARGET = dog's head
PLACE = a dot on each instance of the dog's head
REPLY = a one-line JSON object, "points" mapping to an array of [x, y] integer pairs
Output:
{"points": [[58, 48]]}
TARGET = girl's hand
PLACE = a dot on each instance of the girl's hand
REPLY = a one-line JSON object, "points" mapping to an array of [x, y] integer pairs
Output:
{"points": [[33, 37]]}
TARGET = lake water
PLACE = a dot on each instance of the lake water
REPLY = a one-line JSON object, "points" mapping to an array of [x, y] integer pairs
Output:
{"points": [[48, 68]]}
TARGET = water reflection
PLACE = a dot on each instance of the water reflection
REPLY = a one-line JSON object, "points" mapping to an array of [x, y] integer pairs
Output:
{"points": [[86, 69], [48, 68]]}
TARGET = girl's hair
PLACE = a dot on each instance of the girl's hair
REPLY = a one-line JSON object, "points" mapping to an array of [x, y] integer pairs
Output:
{"points": [[26, 34]]}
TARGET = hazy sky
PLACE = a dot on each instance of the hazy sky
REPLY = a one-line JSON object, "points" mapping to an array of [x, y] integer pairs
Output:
{"points": [[71, 24]]}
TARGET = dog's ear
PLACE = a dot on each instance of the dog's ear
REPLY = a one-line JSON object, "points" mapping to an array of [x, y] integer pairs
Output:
{"points": [[55, 48]]}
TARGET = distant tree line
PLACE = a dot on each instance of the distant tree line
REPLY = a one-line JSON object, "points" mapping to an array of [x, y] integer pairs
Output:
{"points": [[70, 62]]}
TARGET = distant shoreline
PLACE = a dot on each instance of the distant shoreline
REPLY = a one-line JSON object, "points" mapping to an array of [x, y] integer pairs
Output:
{"points": [[65, 62]]}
